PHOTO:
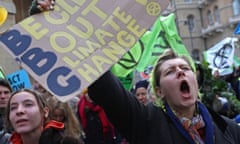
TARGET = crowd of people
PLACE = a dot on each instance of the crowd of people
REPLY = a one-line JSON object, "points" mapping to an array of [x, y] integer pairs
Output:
{"points": [[167, 110]]}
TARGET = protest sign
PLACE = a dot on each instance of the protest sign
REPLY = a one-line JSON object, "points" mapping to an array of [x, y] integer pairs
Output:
{"points": [[19, 80], [69, 48], [220, 56]]}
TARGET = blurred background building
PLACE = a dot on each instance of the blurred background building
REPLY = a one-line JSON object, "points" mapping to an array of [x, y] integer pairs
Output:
{"points": [[201, 24]]}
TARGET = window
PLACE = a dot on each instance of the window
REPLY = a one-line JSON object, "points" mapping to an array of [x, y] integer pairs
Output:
{"points": [[236, 7], [190, 22], [195, 54], [217, 14], [210, 19]]}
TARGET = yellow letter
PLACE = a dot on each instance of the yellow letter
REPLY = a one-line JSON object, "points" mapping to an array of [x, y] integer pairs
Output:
{"points": [[99, 61], [91, 47], [125, 39], [121, 16], [62, 42], [86, 73], [112, 23], [69, 61], [79, 2], [92, 7], [114, 49], [134, 28], [34, 29], [101, 34], [143, 2], [80, 32], [70, 9], [62, 18]]}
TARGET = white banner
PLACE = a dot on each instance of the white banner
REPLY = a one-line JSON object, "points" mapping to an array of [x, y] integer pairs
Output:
{"points": [[220, 56]]}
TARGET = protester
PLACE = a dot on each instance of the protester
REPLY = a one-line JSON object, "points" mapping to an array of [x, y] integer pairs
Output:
{"points": [[5, 92], [95, 123], [27, 113], [181, 118], [141, 91], [62, 112]]}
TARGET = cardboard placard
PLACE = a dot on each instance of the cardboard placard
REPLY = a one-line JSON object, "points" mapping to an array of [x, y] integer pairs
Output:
{"points": [[69, 48]]}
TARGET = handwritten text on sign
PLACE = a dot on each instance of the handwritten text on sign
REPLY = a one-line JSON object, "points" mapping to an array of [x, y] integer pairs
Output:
{"points": [[69, 48]]}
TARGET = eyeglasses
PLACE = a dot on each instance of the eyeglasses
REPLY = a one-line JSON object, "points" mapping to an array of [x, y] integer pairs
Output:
{"points": [[4, 92]]}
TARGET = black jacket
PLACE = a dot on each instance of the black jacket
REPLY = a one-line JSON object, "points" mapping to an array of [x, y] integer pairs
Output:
{"points": [[149, 124]]}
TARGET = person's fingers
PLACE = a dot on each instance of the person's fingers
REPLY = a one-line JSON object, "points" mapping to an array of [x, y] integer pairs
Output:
{"points": [[46, 4], [40, 7]]}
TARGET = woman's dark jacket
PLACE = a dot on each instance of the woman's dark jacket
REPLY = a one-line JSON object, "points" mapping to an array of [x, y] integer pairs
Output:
{"points": [[149, 124]]}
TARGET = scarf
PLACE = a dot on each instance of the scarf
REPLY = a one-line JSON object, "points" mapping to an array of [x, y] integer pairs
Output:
{"points": [[192, 126], [189, 128], [16, 138], [106, 125]]}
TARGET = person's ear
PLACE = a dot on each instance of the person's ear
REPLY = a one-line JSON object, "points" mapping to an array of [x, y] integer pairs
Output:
{"points": [[159, 92], [46, 112]]}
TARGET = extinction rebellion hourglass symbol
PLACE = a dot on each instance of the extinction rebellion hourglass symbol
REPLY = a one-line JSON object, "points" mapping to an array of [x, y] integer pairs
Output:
{"points": [[221, 57]]}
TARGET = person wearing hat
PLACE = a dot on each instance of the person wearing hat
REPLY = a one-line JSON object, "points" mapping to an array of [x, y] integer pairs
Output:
{"points": [[141, 91]]}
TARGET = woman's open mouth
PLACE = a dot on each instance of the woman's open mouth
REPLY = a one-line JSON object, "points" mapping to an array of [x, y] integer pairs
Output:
{"points": [[184, 87]]}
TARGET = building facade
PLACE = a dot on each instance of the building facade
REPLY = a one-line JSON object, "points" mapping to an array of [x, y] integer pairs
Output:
{"points": [[203, 23]]}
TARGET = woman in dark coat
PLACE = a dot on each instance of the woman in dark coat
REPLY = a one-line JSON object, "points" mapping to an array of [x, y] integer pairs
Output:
{"points": [[96, 125], [178, 118]]}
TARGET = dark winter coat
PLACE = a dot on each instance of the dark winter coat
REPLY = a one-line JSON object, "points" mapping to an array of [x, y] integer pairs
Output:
{"points": [[149, 124]]}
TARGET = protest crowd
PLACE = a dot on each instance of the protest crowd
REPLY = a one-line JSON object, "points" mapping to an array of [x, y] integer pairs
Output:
{"points": [[179, 102]]}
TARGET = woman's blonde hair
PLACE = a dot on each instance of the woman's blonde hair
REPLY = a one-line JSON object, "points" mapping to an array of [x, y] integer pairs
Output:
{"points": [[71, 123]]}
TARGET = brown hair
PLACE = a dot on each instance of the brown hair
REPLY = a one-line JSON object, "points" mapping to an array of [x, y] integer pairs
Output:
{"points": [[5, 83], [40, 100]]}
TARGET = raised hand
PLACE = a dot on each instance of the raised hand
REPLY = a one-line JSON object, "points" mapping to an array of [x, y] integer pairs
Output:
{"points": [[45, 5], [39, 6]]}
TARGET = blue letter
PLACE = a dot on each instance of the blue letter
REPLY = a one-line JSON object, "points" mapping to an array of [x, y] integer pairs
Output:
{"points": [[15, 42], [40, 62], [70, 85]]}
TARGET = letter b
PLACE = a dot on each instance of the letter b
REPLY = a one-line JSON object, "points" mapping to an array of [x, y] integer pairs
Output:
{"points": [[15, 42], [40, 62]]}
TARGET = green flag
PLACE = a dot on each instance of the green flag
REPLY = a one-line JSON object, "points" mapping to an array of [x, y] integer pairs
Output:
{"points": [[173, 38], [151, 45], [2, 75], [127, 81]]}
